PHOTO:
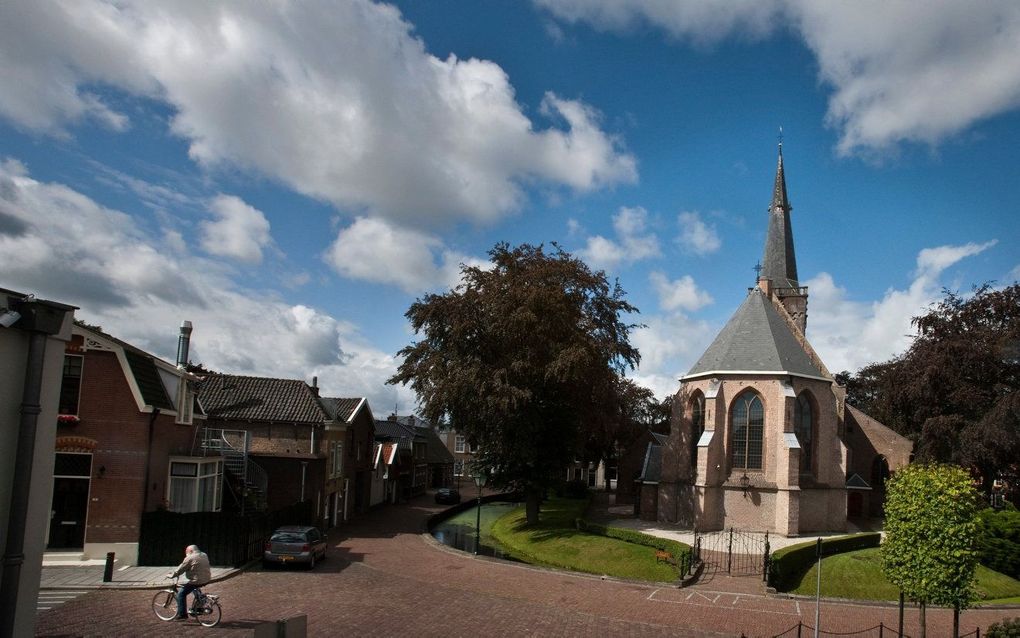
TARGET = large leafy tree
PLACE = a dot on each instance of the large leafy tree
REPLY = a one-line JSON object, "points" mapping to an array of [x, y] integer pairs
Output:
{"points": [[523, 358], [930, 524], [955, 391]]}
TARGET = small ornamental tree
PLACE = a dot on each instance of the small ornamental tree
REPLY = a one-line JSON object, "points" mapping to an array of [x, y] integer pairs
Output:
{"points": [[930, 525]]}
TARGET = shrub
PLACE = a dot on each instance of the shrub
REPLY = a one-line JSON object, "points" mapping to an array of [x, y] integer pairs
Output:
{"points": [[1006, 628], [789, 564], [998, 540]]}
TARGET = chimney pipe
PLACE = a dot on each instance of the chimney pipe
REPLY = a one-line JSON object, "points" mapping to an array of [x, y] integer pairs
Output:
{"points": [[183, 344], [315, 386]]}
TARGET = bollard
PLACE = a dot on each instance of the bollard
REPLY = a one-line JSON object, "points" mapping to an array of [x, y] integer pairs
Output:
{"points": [[108, 571]]}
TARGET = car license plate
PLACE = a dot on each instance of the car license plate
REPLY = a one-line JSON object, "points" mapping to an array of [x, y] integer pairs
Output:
{"points": [[284, 559]]}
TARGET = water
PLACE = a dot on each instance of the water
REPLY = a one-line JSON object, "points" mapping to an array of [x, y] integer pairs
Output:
{"points": [[458, 531]]}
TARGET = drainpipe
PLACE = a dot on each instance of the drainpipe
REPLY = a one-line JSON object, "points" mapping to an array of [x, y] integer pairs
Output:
{"points": [[304, 467], [42, 319]]}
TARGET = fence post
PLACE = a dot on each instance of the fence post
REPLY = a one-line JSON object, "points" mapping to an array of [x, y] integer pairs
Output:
{"points": [[881, 630], [799, 625], [108, 569], [765, 562], [729, 553]]}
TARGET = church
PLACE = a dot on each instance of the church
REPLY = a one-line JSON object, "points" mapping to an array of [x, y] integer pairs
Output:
{"points": [[762, 437]]}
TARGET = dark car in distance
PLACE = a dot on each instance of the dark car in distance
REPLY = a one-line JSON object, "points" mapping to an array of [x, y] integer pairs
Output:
{"points": [[448, 495], [295, 544]]}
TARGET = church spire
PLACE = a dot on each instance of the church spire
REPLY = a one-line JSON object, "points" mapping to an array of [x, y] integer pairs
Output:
{"points": [[780, 263]]}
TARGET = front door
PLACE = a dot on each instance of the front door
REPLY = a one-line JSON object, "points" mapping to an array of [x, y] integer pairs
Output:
{"points": [[71, 477]]}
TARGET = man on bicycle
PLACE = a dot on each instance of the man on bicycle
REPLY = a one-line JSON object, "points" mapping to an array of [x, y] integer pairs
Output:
{"points": [[196, 567]]}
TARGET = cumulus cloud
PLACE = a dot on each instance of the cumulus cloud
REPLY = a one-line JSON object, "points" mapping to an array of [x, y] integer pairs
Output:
{"points": [[339, 101], [238, 230], [849, 334], [899, 72], [377, 251], [139, 287], [680, 294], [633, 241], [669, 345], [696, 236]]}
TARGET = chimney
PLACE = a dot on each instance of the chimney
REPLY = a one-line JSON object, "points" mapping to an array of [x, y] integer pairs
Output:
{"points": [[183, 344], [315, 386]]}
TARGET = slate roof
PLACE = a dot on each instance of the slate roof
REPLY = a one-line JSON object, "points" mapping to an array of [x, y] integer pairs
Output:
{"points": [[340, 409], [229, 396], [147, 376], [756, 339], [659, 438], [436, 452], [652, 470], [780, 261]]}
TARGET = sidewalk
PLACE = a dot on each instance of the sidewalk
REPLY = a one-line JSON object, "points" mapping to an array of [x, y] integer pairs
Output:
{"points": [[91, 577]]}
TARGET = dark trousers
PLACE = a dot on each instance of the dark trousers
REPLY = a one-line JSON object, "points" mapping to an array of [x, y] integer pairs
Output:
{"points": [[182, 598]]}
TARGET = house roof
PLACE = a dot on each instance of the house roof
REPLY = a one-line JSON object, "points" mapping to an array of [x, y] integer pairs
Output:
{"points": [[756, 339], [651, 471], [659, 438], [229, 396], [435, 450], [147, 376], [340, 409]]}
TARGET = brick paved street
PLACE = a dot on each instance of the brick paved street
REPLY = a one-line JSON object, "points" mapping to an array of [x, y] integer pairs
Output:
{"points": [[383, 578]]}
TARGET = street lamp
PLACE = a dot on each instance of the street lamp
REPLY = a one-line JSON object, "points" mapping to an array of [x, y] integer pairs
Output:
{"points": [[480, 477], [745, 483]]}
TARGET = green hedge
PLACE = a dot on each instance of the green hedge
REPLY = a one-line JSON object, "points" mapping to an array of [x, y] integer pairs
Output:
{"points": [[788, 565], [998, 540], [680, 553]]}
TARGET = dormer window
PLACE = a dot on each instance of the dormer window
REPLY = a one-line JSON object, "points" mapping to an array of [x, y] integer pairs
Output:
{"points": [[70, 385]]}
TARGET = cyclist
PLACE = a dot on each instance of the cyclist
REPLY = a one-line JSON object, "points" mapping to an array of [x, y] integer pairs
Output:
{"points": [[196, 567]]}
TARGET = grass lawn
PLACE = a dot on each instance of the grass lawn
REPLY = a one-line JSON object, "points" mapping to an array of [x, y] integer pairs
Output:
{"points": [[555, 542], [858, 575]]}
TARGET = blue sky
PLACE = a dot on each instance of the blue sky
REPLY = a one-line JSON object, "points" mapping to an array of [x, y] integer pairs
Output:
{"points": [[291, 176]]}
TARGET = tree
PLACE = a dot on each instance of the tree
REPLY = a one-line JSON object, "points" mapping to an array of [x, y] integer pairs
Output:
{"points": [[955, 391], [930, 525], [523, 358]]}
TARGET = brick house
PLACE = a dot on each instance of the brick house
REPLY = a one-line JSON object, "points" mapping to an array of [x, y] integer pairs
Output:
{"points": [[385, 474], [124, 442], [460, 450], [762, 437], [350, 445], [412, 438], [631, 465], [33, 336], [270, 433]]}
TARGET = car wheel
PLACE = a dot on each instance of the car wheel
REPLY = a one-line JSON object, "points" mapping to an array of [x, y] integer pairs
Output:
{"points": [[266, 565], [311, 561]]}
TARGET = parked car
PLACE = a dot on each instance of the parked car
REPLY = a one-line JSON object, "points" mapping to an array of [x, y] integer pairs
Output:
{"points": [[448, 495], [295, 544]]}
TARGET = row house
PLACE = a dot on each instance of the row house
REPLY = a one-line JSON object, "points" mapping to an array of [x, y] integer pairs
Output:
{"points": [[460, 449], [284, 444], [423, 461], [125, 433]]}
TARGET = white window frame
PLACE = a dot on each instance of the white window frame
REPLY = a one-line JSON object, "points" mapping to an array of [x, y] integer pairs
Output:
{"points": [[185, 402], [63, 378], [337, 459], [204, 468], [460, 444], [458, 468]]}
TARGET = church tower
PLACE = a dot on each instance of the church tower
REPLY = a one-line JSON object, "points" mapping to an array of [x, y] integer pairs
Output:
{"points": [[778, 276]]}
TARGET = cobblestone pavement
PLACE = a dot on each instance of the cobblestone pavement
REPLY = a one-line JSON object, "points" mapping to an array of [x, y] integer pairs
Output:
{"points": [[384, 578]]}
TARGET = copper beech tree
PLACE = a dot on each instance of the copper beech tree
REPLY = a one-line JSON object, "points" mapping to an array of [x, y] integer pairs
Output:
{"points": [[523, 358]]}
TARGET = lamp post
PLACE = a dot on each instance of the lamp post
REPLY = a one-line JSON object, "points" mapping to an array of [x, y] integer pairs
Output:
{"points": [[745, 483], [480, 477]]}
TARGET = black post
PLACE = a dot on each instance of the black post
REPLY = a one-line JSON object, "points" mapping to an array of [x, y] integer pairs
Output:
{"points": [[881, 630], [478, 521], [108, 570], [956, 620], [899, 631], [729, 553], [799, 625], [765, 564]]}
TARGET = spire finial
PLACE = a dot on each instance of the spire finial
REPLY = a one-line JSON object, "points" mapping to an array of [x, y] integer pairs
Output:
{"points": [[757, 270]]}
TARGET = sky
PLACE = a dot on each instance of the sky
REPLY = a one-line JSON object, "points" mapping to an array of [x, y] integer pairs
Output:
{"points": [[291, 176]]}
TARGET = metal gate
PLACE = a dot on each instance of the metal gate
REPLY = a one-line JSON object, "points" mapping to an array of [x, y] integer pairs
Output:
{"points": [[734, 552]]}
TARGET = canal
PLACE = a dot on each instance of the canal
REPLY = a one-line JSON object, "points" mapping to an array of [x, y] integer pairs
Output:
{"points": [[458, 531]]}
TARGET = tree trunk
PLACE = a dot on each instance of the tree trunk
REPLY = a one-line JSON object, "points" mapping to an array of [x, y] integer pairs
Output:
{"points": [[534, 499], [921, 607]]}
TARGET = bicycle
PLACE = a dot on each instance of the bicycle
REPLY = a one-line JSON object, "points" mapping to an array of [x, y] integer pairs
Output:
{"points": [[205, 608]]}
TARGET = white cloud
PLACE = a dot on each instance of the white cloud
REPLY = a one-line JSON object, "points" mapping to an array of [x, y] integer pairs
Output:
{"points": [[850, 334], [377, 251], [900, 72], [338, 101], [696, 236], [680, 294], [239, 230], [669, 345], [64, 246], [633, 243]]}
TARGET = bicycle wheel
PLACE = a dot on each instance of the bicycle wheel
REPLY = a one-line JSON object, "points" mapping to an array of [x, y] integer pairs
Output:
{"points": [[212, 618], [164, 604]]}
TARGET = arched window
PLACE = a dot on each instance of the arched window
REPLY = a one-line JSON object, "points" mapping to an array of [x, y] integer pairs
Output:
{"points": [[697, 425], [748, 428], [804, 428]]}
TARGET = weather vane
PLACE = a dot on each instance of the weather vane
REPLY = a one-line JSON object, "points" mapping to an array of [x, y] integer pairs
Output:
{"points": [[780, 136], [758, 267]]}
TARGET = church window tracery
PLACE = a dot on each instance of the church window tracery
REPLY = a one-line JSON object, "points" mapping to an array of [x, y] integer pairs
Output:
{"points": [[804, 428], [748, 428]]}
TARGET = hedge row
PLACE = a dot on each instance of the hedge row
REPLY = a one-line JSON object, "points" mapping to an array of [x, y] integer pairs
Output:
{"points": [[789, 564], [998, 540], [680, 553]]}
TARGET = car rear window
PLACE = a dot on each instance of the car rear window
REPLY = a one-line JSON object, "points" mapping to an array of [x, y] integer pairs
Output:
{"points": [[288, 537]]}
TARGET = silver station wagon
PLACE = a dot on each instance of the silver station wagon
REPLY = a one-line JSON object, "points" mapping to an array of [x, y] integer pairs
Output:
{"points": [[294, 544]]}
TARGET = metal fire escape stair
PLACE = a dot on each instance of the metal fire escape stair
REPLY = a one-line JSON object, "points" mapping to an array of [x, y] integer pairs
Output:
{"points": [[250, 481]]}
